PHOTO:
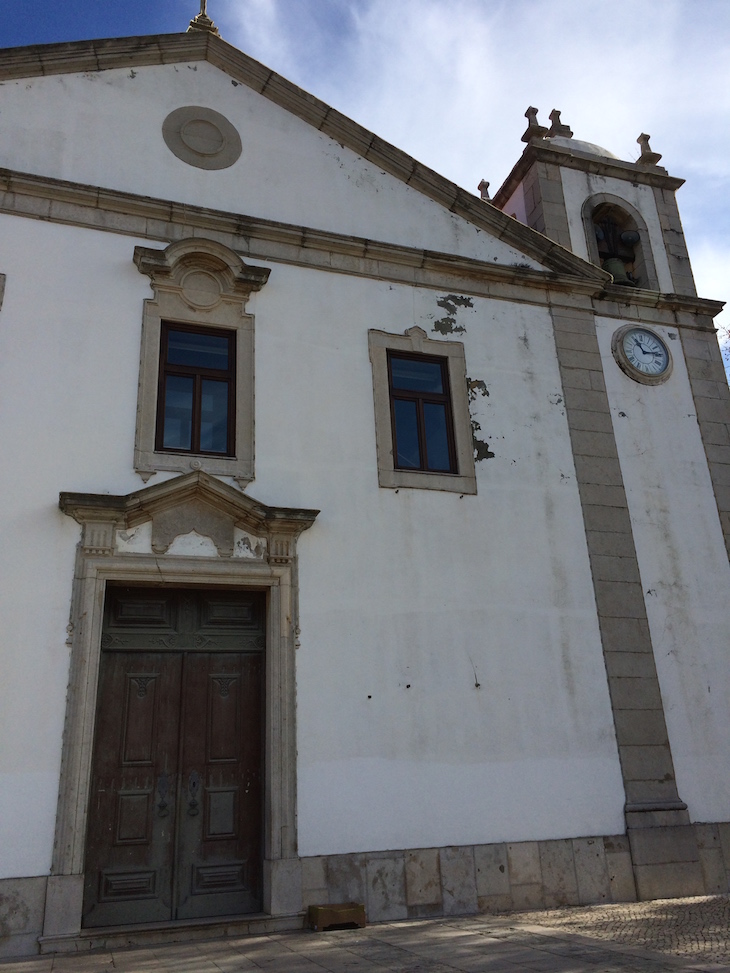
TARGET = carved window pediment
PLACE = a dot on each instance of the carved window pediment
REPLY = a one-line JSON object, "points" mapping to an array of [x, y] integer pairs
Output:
{"points": [[193, 504]]}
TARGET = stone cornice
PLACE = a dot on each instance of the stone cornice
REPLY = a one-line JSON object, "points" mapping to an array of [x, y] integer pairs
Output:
{"points": [[126, 52], [56, 201], [542, 150], [677, 310], [671, 302]]}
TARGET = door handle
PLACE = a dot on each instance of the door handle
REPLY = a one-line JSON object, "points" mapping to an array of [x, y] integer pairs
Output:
{"points": [[163, 789], [193, 791]]}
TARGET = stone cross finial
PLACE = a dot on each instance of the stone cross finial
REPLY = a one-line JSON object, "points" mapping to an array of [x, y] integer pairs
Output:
{"points": [[648, 158], [483, 188], [203, 22], [534, 130], [557, 127]]}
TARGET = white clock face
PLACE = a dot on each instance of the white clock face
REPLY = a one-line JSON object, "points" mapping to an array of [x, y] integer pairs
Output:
{"points": [[645, 352]]}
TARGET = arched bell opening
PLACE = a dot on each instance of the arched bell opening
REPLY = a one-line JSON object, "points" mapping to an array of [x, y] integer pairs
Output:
{"points": [[618, 242]]}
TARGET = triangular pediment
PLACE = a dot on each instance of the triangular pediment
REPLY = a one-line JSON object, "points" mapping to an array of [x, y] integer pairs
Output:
{"points": [[366, 187], [196, 506]]}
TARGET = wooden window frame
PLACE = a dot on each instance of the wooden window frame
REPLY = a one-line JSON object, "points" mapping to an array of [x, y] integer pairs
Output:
{"points": [[422, 398], [197, 373], [416, 342]]}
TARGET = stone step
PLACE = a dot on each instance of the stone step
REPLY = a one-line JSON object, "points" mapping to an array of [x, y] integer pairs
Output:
{"points": [[154, 933]]}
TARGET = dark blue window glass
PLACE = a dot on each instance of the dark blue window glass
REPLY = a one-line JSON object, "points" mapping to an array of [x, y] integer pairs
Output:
{"points": [[178, 420], [437, 439], [197, 350], [214, 417], [416, 376], [406, 434]]}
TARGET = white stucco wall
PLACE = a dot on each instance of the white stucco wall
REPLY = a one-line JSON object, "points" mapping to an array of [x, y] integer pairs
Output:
{"points": [[414, 587], [579, 186], [105, 128], [684, 570], [426, 589], [69, 360]]}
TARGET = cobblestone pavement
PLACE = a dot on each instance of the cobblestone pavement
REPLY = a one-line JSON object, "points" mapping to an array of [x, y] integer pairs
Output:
{"points": [[696, 928], [650, 937]]}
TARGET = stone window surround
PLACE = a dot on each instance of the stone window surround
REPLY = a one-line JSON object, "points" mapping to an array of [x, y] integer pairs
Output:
{"points": [[200, 283], [646, 255], [416, 341], [195, 502]]}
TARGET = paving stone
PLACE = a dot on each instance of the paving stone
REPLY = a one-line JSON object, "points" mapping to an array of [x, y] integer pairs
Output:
{"points": [[557, 866], [314, 875], [423, 877], [458, 880], [620, 874], [494, 904], [492, 870], [528, 896], [346, 878], [591, 869], [713, 871], [386, 889], [524, 863], [724, 832]]}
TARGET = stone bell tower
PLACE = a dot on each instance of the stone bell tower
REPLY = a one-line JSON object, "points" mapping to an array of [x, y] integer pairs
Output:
{"points": [[623, 217], [620, 215]]}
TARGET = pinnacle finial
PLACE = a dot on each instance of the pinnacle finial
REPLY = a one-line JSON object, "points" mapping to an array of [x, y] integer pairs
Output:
{"points": [[648, 158], [534, 129], [557, 127], [483, 188], [203, 22]]}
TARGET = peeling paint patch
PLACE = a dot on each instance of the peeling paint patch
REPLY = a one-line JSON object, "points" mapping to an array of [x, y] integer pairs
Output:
{"points": [[451, 304], [481, 448], [475, 388]]}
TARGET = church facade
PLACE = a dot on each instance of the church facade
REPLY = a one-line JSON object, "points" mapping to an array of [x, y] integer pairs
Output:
{"points": [[365, 540]]}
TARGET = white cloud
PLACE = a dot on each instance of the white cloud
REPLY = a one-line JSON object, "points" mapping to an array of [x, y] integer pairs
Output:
{"points": [[449, 80], [711, 265]]}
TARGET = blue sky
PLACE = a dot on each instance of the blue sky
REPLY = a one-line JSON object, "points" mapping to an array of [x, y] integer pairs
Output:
{"points": [[449, 80]]}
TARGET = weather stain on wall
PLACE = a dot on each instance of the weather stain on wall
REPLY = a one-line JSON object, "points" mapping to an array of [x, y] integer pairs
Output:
{"points": [[451, 304]]}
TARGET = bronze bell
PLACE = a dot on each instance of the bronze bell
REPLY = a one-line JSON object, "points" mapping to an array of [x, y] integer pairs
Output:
{"points": [[617, 269]]}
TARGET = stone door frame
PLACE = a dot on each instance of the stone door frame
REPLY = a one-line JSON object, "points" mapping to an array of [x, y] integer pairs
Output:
{"points": [[193, 500]]}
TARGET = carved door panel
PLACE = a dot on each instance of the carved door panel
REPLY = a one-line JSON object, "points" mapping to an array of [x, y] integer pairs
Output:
{"points": [[175, 814], [219, 835], [130, 845]]}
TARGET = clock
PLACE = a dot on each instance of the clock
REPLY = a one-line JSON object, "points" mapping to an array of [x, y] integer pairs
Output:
{"points": [[642, 354]]}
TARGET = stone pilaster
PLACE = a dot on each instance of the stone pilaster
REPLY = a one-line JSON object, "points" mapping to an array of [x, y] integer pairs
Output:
{"points": [[711, 395], [545, 203], [674, 242], [663, 846]]}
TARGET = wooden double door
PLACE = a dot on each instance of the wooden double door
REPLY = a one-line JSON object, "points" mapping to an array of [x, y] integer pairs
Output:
{"points": [[176, 808]]}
